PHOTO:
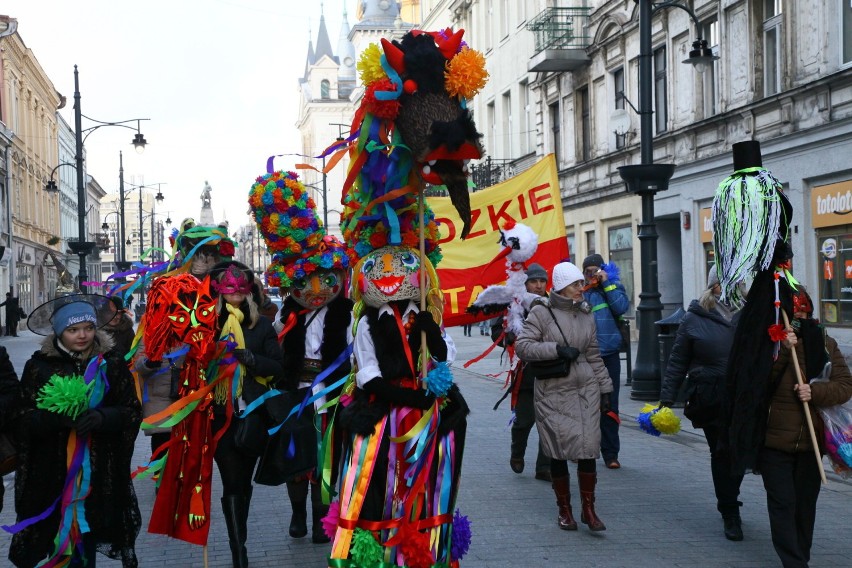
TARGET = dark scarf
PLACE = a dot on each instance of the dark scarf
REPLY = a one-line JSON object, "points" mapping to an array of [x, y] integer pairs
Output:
{"points": [[388, 343], [334, 339]]}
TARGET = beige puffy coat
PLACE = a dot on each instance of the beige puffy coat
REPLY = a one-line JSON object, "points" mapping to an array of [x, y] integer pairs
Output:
{"points": [[567, 409]]}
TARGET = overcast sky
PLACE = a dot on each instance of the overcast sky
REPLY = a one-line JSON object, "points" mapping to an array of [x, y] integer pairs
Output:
{"points": [[217, 78]]}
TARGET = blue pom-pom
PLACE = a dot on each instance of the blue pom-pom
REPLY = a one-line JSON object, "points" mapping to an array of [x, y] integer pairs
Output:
{"points": [[461, 536], [439, 379], [612, 271], [644, 420]]}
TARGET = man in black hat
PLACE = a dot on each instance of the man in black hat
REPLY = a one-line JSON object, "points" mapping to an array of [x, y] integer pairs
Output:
{"points": [[13, 315], [609, 302]]}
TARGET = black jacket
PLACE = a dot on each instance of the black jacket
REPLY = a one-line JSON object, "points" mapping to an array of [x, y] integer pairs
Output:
{"points": [[700, 350]]}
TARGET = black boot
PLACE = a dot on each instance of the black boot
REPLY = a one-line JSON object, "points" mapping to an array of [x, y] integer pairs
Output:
{"points": [[733, 527], [318, 511], [244, 512], [233, 507], [298, 492], [519, 448]]}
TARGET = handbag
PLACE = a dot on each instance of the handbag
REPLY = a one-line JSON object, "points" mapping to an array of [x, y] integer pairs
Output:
{"points": [[704, 405], [292, 451], [250, 432], [550, 368], [8, 455]]}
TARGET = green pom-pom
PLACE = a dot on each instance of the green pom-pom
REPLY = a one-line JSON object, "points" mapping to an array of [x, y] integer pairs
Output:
{"points": [[365, 550], [65, 395]]}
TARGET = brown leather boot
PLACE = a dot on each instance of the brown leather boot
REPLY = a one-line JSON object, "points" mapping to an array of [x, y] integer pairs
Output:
{"points": [[563, 501], [587, 498]]}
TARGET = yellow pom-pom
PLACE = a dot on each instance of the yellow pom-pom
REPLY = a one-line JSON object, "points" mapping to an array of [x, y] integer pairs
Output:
{"points": [[370, 65], [465, 74], [666, 421]]}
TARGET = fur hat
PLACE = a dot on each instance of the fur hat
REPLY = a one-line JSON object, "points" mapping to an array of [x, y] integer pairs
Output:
{"points": [[535, 271], [712, 277], [565, 274], [593, 260]]}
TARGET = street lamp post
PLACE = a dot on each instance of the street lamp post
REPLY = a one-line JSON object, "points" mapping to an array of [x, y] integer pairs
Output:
{"points": [[83, 247], [645, 180]]}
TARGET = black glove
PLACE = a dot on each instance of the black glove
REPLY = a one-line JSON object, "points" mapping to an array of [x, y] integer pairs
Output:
{"points": [[666, 404], [605, 404], [89, 421], [151, 364], [434, 341], [415, 398], [567, 352], [245, 357]]}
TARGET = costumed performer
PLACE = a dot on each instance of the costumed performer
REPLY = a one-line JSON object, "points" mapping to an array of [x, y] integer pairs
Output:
{"points": [[252, 341], [179, 334], [79, 418], [316, 327], [568, 404]]}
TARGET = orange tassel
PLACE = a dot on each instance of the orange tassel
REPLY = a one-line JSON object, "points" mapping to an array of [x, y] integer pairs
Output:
{"points": [[197, 512]]}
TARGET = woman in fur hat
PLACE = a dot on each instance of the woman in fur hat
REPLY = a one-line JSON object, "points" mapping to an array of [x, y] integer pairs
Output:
{"points": [[78, 399], [568, 407]]}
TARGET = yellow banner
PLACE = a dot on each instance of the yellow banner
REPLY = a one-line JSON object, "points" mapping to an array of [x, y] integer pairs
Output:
{"points": [[531, 198]]}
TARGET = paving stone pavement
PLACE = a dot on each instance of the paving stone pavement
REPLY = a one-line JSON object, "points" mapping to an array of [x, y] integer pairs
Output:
{"points": [[659, 507]]}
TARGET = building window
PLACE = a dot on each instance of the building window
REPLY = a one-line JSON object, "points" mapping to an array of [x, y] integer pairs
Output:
{"points": [[556, 130], [524, 114], [590, 242], [572, 254], [835, 275], [661, 118], [585, 120], [325, 87], [618, 89], [504, 18], [710, 32], [489, 23], [771, 47], [621, 254], [491, 118], [846, 22], [508, 127]]}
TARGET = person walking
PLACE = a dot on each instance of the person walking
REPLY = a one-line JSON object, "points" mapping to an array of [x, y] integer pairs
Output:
{"points": [[609, 302], [522, 390], [82, 443], [260, 362], [10, 392], [700, 356], [466, 328], [13, 314], [568, 404]]}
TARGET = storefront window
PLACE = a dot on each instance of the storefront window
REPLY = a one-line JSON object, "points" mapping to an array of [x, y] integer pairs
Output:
{"points": [[835, 275], [572, 255], [621, 253]]}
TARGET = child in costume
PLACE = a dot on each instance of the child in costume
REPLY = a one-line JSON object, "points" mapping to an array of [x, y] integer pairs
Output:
{"points": [[316, 326], [79, 419]]}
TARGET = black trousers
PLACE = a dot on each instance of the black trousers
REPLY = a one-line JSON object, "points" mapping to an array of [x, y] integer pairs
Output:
{"points": [[610, 443], [725, 485], [792, 486], [521, 428], [236, 467]]}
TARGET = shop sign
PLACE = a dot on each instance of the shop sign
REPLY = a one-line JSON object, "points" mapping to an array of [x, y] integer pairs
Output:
{"points": [[705, 217], [831, 205]]}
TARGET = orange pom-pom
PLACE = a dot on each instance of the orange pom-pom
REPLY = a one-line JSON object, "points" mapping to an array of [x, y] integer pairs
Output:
{"points": [[465, 75]]}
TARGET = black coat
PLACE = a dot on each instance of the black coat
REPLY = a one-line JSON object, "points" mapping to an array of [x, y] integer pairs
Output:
{"points": [[111, 507], [701, 350], [10, 392]]}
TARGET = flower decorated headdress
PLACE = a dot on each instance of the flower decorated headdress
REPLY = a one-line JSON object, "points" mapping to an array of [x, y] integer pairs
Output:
{"points": [[286, 217], [412, 128], [192, 237]]}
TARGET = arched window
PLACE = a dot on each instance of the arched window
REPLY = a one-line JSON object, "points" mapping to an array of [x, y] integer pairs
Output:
{"points": [[325, 86]]}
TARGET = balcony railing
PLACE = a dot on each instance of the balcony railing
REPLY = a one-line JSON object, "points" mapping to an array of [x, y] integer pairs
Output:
{"points": [[561, 38]]}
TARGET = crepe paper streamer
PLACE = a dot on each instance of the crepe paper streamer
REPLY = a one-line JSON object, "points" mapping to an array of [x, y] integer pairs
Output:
{"points": [[65, 395], [461, 536], [440, 379], [365, 550], [656, 420], [330, 520]]}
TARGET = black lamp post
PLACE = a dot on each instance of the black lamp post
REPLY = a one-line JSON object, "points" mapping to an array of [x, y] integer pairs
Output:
{"points": [[645, 180], [82, 247]]}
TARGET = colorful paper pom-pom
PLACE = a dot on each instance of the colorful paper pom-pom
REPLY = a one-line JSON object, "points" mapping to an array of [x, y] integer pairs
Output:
{"points": [[465, 75], [65, 395], [461, 536], [415, 549], [777, 332], [440, 379], [655, 420], [370, 65], [365, 550], [845, 453]]}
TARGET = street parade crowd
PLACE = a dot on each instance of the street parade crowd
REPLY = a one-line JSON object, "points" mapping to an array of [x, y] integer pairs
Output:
{"points": [[346, 396]]}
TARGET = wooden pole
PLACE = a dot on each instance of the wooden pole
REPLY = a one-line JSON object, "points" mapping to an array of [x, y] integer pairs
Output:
{"points": [[806, 405], [205, 556]]}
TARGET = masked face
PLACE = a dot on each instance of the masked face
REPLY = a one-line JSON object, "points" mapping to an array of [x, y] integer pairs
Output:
{"points": [[193, 319], [318, 289], [202, 261], [388, 274]]}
